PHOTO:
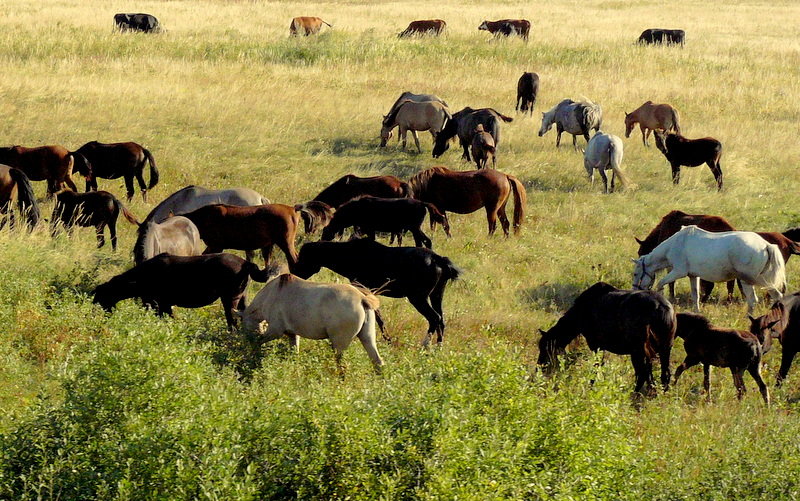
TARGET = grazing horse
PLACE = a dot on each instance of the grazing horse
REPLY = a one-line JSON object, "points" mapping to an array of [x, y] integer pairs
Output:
{"points": [[114, 160], [636, 323], [604, 152], [306, 25], [574, 118], [349, 187], [662, 36], [315, 215], [177, 236], [417, 98], [297, 308], [507, 27], [193, 197], [412, 116], [652, 117], [53, 164], [370, 215], [527, 88], [483, 148], [708, 345], [14, 184], [415, 273], [433, 27], [781, 322], [186, 281], [690, 152], [464, 124], [248, 228], [146, 23], [466, 192], [716, 257], [96, 208]]}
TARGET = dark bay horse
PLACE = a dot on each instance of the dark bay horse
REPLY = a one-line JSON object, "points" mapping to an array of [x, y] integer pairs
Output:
{"points": [[415, 273], [114, 160], [636, 323], [690, 152], [708, 345], [463, 125], [349, 187], [466, 192], [781, 322], [53, 164], [14, 185], [97, 208]]}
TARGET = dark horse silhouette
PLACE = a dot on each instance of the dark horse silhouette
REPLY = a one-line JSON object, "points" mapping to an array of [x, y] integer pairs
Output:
{"points": [[14, 184], [783, 323], [463, 124], [691, 153], [415, 273], [636, 323], [114, 160], [349, 187], [98, 209]]}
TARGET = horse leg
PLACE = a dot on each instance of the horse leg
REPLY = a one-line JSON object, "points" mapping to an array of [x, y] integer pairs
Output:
{"points": [[416, 140], [738, 382], [707, 381], [491, 217], [755, 371], [670, 277], [101, 239], [266, 252], [421, 239], [112, 230], [501, 212], [421, 304], [559, 130], [672, 292], [644, 372], [142, 185], [663, 357], [437, 295], [129, 187], [676, 173], [575, 142], [750, 296], [695, 285], [227, 307], [687, 363], [645, 133], [403, 133], [705, 290], [465, 156], [68, 180], [249, 255], [367, 338], [604, 177], [786, 362]]}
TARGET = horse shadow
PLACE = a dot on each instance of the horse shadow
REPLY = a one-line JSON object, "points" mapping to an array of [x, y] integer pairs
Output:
{"points": [[82, 281], [551, 297]]}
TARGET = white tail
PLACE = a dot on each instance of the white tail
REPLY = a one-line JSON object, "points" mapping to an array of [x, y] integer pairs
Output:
{"points": [[773, 276], [615, 166]]}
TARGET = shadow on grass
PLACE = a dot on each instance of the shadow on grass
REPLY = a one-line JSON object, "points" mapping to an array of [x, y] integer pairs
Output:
{"points": [[553, 298], [400, 167]]}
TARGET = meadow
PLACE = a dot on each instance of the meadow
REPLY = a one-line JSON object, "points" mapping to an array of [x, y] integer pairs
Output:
{"points": [[132, 406]]}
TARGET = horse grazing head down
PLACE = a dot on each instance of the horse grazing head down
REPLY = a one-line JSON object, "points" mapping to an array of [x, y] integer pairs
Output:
{"points": [[643, 278], [630, 121]]}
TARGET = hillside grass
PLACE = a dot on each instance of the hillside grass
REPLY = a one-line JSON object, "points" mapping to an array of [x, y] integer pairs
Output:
{"points": [[132, 406]]}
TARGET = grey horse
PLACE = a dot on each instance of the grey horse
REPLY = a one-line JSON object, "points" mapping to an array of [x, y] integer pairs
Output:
{"points": [[193, 197], [176, 235], [604, 152], [410, 96], [576, 118]]}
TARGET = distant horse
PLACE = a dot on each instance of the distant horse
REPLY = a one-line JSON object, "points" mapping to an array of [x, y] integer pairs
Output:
{"points": [[193, 197], [370, 215], [482, 148], [14, 184], [53, 164], [690, 152], [662, 36], [177, 236], [507, 28], [296, 308], [527, 89], [96, 208], [415, 273], [572, 117], [464, 124], [636, 323], [186, 281], [417, 98], [652, 117], [781, 322], [349, 187], [433, 27], [306, 25], [604, 152], [466, 192], [411, 116], [708, 345], [114, 160], [716, 257]]}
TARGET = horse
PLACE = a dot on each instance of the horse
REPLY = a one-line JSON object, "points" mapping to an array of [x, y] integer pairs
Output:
{"points": [[53, 164], [306, 25], [466, 192], [390, 215], [464, 124], [690, 152], [415, 273], [662, 36], [114, 160], [297, 308], [652, 117], [604, 152], [708, 345], [572, 117], [417, 98], [14, 184], [782, 322], [527, 88], [177, 236], [433, 27], [193, 197], [716, 257], [349, 187], [96, 208], [186, 281], [482, 148], [224, 226], [507, 27], [625, 322], [412, 116], [315, 215]]}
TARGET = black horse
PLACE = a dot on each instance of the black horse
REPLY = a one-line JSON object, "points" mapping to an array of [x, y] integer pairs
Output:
{"points": [[691, 153], [782, 322], [114, 160], [98, 209], [527, 88], [636, 323], [350, 186], [464, 124], [415, 273]]}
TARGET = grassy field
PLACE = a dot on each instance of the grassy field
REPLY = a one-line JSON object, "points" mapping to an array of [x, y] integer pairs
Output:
{"points": [[130, 406]]}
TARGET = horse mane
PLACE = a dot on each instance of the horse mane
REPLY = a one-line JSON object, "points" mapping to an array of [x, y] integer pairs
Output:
{"points": [[388, 120], [285, 279], [688, 323], [419, 182]]}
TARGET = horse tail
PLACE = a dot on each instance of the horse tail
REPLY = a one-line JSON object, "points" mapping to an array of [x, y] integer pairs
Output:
{"points": [[370, 301], [773, 276], [660, 332], [794, 248], [615, 166], [126, 213], [315, 215], [520, 198], [153, 168], [449, 269], [502, 117], [26, 199], [675, 122], [327, 23]]}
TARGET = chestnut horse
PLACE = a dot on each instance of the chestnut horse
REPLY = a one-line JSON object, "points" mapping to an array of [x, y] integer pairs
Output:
{"points": [[466, 192], [781, 322], [53, 164], [652, 117], [114, 160], [349, 187], [14, 184]]}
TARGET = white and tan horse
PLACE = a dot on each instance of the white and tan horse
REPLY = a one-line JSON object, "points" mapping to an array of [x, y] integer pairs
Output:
{"points": [[291, 306], [572, 117], [413, 116], [177, 236], [604, 152], [714, 257]]}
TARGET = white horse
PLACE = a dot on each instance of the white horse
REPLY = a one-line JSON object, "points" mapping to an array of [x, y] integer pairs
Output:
{"points": [[291, 306], [572, 117], [177, 236], [604, 152], [715, 257]]}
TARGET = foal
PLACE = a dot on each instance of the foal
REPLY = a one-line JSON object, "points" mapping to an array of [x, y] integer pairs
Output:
{"points": [[483, 148], [691, 153], [96, 208]]}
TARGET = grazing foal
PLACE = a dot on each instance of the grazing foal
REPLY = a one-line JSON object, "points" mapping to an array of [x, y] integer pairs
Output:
{"points": [[483, 148]]}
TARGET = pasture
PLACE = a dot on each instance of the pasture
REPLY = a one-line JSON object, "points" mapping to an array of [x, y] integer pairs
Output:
{"points": [[132, 406]]}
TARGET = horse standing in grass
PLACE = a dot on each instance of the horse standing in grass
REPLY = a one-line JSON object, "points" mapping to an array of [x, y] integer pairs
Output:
{"points": [[636, 323], [527, 88], [53, 164], [193, 197], [604, 152], [572, 117], [348, 187], [781, 322], [483, 148], [15, 185], [96, 208], [690, 152], [115, 160], [463, 125], [652, 117], [177, 236], [708, 345], [412, 116]]}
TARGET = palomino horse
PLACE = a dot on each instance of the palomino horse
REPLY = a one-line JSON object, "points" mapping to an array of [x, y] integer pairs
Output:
{"points": [[781, 322], [463, 124], [193, 197], [114, 160], [574, 118], [411, 116], [177, 236], [716, 257], [96, 208], [652, 117], [14, 184], [690, 152], [293, 307], [636, 323], [53, 164], [604, 152], [466, 192], [349, 187]]}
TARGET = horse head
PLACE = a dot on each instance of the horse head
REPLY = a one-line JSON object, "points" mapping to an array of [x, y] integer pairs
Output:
{"points": [[549, 350], [547, 123], [642, 277], [386, 134], [661, 141], [630, 121]]}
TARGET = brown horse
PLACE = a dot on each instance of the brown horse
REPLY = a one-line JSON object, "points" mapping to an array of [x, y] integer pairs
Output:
{"points": [[14, 184], [652, 117], [349, 187], [466, 192], [114, 160], [53, 164], [96, 208], [781, 322], [248, 228]]}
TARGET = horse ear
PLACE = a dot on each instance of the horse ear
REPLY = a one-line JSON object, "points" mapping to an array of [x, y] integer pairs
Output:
{"points": [[542, 332], [640, 242], [626, 113], [171, 214], [751, 318]]}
